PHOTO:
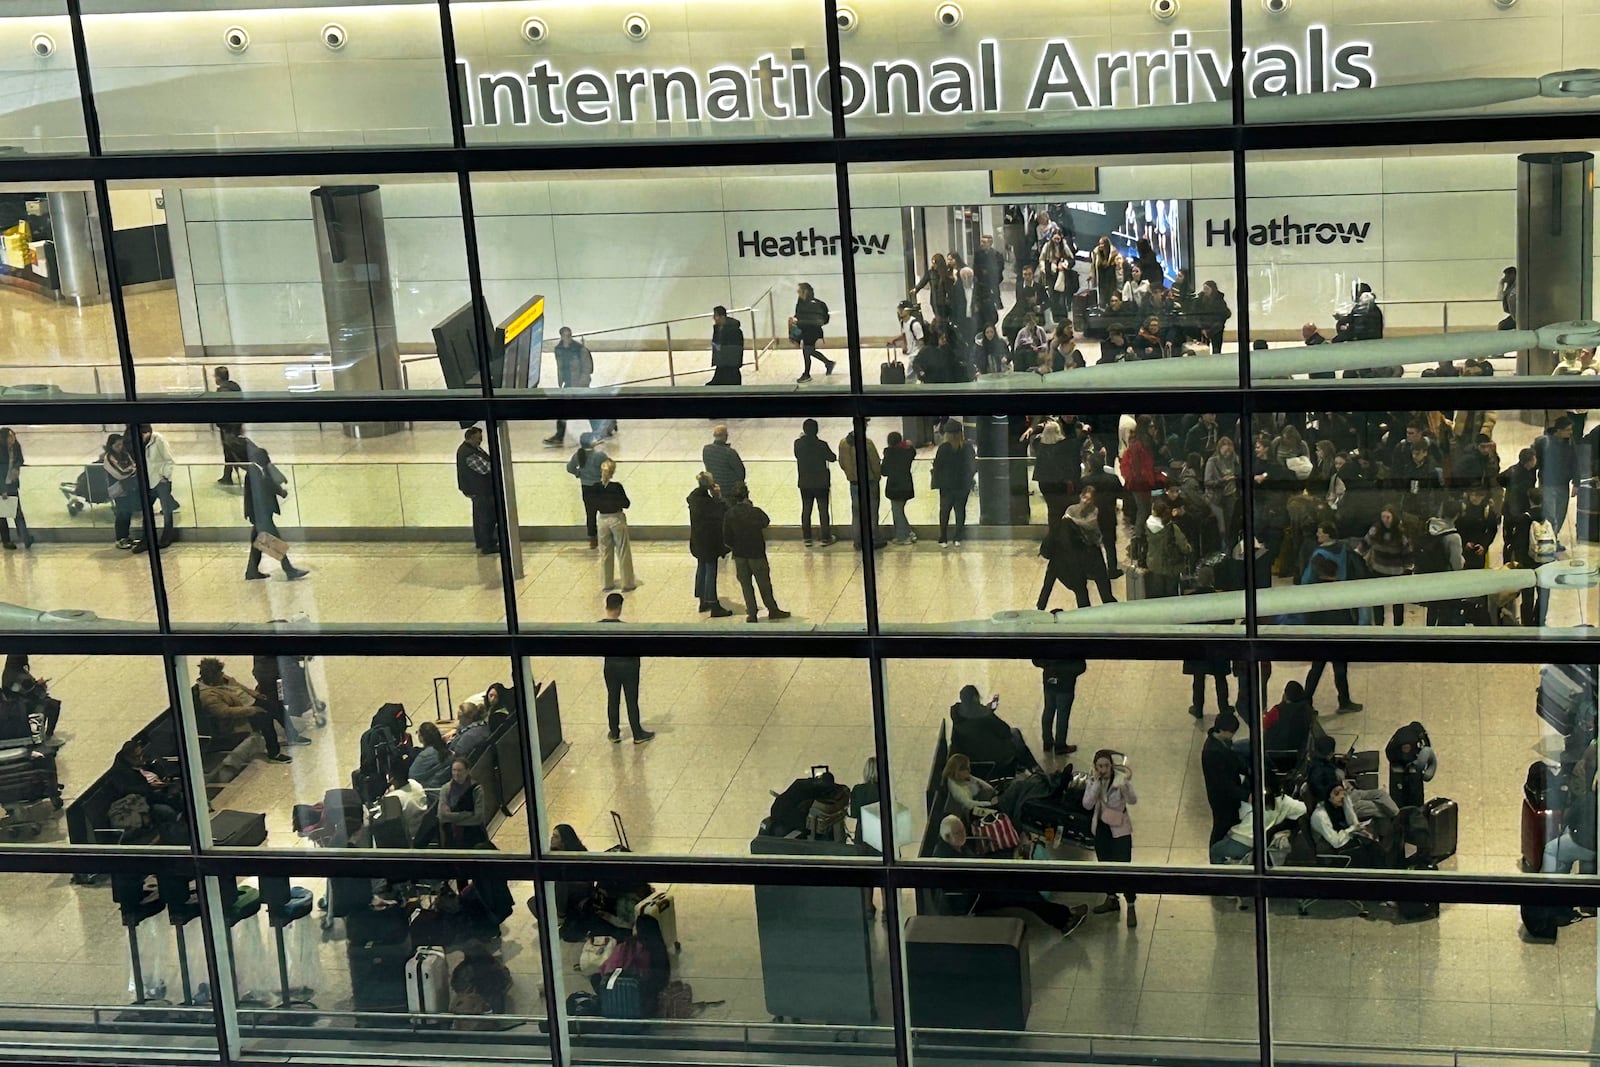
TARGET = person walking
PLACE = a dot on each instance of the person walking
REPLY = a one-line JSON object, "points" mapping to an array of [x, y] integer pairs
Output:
{"points": [[233, 454], [866, 495], [11, 461], [574, 370], [611, 503], [1060, 691], [1074, 554], [805, 328], [812, 456], [722, 459], [1324, 569], [472, 478], [158, 465], [122, 485], [727, 348], [1108, 795], [622, 680], [955, 465], [707, 509], [897, 485], [743, 531], [585, 465], [264, 486]]}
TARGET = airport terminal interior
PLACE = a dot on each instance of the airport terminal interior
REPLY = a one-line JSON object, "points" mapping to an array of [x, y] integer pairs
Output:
{"points": [[526, 537]]}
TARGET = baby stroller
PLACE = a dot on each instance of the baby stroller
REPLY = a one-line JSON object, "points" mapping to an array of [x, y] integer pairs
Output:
{"points": [[30, 790], [92, 486]]}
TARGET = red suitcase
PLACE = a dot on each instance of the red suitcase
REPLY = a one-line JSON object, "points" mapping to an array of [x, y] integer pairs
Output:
{"points": [[1541, 813]]}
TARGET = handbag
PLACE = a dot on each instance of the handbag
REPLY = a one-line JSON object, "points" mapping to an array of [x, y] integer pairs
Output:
{"points": [[996, 828], [116, 489], [594, 954], [1060, 285], [270, 546], [8, 507]]}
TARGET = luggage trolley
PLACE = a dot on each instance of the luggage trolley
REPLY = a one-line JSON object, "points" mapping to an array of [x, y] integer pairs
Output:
{"points": [[92, 486], [30, 789]]}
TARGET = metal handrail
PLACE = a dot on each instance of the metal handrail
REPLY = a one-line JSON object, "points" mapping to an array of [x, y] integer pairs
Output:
{"points": [[672, 370], [1444, 303]]}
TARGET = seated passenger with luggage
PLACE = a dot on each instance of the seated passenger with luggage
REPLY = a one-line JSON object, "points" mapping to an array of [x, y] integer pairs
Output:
{"points": [[461, 809], [1238, 843], [431, 765], [472, 733], [642, 958], [132, 774], [1326, 771], [1576, 843], [413, 800], [985, 738], [1336, 828], [968, 793], [33, 694], [231, 704], [953, 844]]}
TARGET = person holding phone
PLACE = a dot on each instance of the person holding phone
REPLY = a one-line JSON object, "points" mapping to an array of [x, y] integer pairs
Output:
{"points": [[1337, 829], [1108, 795]]}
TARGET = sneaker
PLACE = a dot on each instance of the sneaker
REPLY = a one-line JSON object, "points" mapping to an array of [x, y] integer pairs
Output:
{"points": [[641, 738], [1078, 915], [830, 366], [124, 543], [802, 379], [956, 543], [902, 540], [1133, 916], [720, 612], [808, 542], [944, 544], [1107, 906], [914, 536], [554, 442], [774, 616], [294, 574], [615, 739], [826, 541], [1348, 707], [279, 758], [298, 741]]}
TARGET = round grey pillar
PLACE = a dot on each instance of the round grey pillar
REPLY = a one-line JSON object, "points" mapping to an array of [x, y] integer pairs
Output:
{"points": [[75, 232], [1555, 245], [353, 256]]}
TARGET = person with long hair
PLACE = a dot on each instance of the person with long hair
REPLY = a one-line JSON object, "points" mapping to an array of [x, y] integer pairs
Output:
{"points": [[1389, 554], [1074, 552], [1138, 466], [1221, 481], [955, 465], [1102, 263], [11, 461], [805, 326], [968, 792], [616, 548], [122, 485], [644, 958], [431, 765], [1108, 795]]}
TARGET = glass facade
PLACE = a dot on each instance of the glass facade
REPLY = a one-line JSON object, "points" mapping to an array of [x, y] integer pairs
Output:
{"points": [[859, 531]]}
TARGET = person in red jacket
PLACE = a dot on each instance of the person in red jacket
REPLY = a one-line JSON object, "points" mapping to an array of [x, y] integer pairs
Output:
{"points": [[1138, 466]]}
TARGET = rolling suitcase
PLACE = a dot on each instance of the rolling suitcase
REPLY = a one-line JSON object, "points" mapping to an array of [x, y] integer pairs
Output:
{"points": [[663, 909], [1563, 688], [238, 829], [1543, 798], [893, 372], [31, 775], [1443, 817], [1138, 579], [620, 997], [427, 985], [378, 978]]}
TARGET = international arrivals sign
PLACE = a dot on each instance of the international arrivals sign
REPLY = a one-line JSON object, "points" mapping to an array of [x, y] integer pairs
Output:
{"points": [[1060, 78]]}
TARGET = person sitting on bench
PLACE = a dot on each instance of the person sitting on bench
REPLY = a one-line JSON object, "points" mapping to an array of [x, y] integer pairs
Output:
{"points": [[1335, 827], [472, 733], [984, 737], [413, 800], [231, 704], [953, 845], [431, 766], [132, 774], [968, 792]]}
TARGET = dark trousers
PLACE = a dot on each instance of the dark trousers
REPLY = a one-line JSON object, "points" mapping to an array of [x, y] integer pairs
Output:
{"points": [[483, 523], [819, 497], [1057, 499], [162, 491], [755, 573], [22, 527], [589, 511], [1057, 915], [1199, 691], [1112, 849], [727, 376], [808, 352], [1221, 822], [1445, 613], [1398, 611], [620, 681], [705, 581], [956, 502], [1058, 711], [232, 453], [253, 565], [1080, 591], [263, 722], [1341, 679]]}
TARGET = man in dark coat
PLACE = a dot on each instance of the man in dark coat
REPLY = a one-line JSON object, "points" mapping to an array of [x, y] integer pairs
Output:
{"points": [[263, 488], [744, 532], [472, 478], [727, 348], [1226, 775], [706, 512], [814, 459]]}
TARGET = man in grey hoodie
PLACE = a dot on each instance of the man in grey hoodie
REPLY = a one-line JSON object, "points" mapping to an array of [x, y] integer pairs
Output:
{"points": [[1440, 553], [585, 466]]}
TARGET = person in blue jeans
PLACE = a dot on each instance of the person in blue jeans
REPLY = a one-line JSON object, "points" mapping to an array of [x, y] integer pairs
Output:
{"points": [[1558, 469], [1239, 842], [707, 509], [1060, 690]]}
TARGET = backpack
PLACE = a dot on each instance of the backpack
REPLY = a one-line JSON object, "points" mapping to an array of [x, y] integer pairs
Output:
{"points": [[1544, 923], [131, 812], [791, 809], [1541, 541], [384, 746], [1433, 557], [1413, 734]]}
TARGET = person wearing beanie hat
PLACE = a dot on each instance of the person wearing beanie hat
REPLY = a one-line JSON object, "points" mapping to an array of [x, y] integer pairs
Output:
{"points": [[585, 466], [1227, 777]]}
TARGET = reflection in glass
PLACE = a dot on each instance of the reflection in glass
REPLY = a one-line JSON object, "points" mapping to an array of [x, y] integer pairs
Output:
{"points": [[43, 112]]}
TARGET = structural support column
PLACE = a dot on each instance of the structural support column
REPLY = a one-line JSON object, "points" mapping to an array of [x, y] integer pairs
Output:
{"points": [[75, 231], [1555, 246], [353, 256]]}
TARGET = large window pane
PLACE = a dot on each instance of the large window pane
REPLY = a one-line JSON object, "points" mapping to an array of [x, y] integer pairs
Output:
{"points": [[237, 75], [614, 70], [690, 241], [58, 342], [296, 286], [728, 736], [43, 112]]}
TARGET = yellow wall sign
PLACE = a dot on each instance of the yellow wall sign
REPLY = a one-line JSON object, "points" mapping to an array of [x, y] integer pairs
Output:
{"points": [[534, 312], [1049, 181]]}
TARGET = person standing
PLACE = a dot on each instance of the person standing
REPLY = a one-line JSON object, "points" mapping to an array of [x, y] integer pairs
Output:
{"points": [[706, 512], [1558, 470], [11, 461], [727, 348], [1060, 691], [812, 457], [472, 478], [805, 327], [722, 459], [898, 486], [1226, 775], [1057, 466], [955, 465], [264, 486], [574, 370], [1324, 569], [158, 464], [122, 486], [585, 466], [230, 432], [610, 504], [743, 531], [1108, 795], [622, 680], [989, 265], [862, 496]]}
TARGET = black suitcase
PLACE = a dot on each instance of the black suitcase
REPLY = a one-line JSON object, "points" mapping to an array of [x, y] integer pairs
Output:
{"points": [[1564, 690], [893, 372], [378, 978], [238, 829], [32, 777], [1443, 819]]}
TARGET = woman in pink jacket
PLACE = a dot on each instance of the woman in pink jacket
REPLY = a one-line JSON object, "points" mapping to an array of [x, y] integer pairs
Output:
{"points": [[1108, 795]]}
